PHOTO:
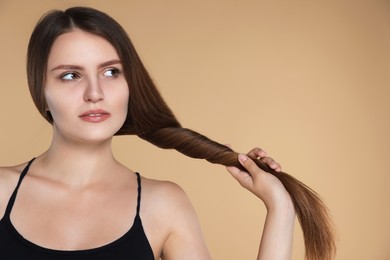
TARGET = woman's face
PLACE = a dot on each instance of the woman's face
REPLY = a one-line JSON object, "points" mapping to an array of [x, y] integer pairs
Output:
{"points": [[86, 92]]}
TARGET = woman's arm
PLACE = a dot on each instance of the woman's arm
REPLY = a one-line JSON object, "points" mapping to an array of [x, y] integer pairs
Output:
{"points": [[277, 238], [185, 240]]}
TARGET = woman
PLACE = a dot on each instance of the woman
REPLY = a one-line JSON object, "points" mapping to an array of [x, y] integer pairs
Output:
{"points": [[75, 201]]}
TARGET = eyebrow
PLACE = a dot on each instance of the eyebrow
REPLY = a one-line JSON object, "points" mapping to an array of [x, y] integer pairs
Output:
{"points": [[77, 67]]}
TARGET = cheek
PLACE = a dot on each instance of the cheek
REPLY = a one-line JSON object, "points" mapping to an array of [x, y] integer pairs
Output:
{"points": [[124, 103], [50, 103], [55, 104]]}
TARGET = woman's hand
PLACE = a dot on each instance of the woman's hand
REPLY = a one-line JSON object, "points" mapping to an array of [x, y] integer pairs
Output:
{"points": [[264, 185], [277, 238]]}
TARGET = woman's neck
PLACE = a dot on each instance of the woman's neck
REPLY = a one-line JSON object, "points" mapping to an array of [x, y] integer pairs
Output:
{"points": [[77, 164]]}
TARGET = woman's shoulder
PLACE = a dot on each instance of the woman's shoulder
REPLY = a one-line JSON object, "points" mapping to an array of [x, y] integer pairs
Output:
{"points": [[9, 176], [14, 171], [161, 190], [171, 218], [165, 199]]}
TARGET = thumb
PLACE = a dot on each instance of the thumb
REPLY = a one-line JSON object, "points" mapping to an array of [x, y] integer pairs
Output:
{"points": [[243, 178]]}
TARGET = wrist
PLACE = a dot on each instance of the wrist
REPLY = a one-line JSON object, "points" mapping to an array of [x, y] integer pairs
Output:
{"points": [[282, 206]]}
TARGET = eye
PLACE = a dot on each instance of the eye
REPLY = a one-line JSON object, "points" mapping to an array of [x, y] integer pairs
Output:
{"points": [[68, 76], [112, 72]]}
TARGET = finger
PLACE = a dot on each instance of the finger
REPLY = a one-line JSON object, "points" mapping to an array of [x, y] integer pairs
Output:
{"points": [[243, 178], [271, 163], [257, 152], [249, 165]]}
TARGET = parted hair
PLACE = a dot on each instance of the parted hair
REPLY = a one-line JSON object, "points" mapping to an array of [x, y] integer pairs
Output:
{"points": [[150, 118]]}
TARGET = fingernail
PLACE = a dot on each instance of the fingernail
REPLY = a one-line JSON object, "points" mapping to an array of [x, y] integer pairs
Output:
{"points": [[242, 158]]}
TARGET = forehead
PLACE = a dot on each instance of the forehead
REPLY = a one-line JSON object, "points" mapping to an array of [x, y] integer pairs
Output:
{"points": [[78, 47]]}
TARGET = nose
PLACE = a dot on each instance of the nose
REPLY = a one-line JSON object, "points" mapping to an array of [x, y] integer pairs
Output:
{"points": [[93, 91]]}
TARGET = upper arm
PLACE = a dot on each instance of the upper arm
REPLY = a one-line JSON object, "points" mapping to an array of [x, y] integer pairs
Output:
{"points": [[183, 238]]}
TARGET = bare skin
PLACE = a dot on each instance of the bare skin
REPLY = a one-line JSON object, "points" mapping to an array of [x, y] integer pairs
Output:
{"points": [[276, 242], [77, 186]]}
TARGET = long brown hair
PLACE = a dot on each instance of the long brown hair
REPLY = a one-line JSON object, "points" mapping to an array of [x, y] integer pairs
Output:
{"points": [[151, 119]]}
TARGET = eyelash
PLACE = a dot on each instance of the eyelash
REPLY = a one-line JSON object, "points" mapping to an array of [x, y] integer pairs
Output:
{"points": [[115, 73], [74, 76]]}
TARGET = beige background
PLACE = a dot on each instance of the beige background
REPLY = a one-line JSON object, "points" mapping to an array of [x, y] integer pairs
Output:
{"points": [[307, 81]]}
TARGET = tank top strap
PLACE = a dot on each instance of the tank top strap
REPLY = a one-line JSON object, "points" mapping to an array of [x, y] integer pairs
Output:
{"points": [[13, 196], [139, 193]]}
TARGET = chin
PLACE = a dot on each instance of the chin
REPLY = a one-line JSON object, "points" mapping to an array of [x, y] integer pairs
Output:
{"points": [[93, 135], [100, 135]]}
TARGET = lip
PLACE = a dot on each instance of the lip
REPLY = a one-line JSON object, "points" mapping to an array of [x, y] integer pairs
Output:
{"points": [[94, 116]]}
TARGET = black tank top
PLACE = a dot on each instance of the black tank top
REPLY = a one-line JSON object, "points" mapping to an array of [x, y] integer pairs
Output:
{"points": [[133, 245]]}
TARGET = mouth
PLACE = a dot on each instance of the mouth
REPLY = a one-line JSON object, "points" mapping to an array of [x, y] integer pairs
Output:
{"points": [[94, 115]]}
